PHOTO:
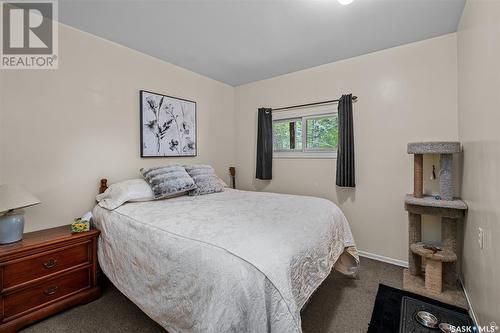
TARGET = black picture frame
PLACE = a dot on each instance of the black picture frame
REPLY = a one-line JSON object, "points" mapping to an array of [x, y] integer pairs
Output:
{"points": [[177, 133]]}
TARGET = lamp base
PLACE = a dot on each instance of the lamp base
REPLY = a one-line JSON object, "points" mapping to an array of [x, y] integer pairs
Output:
{"points": [[11, 227]]}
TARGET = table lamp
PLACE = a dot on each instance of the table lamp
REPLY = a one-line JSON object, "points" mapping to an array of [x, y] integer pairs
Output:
{"points": [[12, 198]]}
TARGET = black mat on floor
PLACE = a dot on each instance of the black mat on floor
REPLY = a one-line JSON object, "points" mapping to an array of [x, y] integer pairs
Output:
{"points": [[387, 309]]}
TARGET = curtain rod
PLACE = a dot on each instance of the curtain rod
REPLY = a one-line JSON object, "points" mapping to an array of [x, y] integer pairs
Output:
{"points": [[354, 98]]}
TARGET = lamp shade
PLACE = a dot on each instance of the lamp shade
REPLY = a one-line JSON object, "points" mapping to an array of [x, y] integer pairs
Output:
{"points": [[14, 197]]}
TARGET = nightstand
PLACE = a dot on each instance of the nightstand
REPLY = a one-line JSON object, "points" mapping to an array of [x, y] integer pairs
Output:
{"points": [[44, 273]]}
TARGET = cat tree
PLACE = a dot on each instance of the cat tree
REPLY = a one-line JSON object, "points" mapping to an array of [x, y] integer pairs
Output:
{"points": [[440, 280]]}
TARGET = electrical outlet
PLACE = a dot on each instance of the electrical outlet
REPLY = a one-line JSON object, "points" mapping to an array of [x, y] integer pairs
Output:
{"points": [[480, 237]]}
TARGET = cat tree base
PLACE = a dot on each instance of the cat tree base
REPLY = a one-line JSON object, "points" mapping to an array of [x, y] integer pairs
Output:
{"points": [[453, 295]]}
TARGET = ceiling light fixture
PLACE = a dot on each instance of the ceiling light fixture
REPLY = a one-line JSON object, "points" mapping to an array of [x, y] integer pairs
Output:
{"points": [[345, 2]]}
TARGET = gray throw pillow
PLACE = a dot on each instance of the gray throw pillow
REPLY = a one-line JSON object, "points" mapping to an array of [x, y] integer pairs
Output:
{"points": [[169, 180], [205, 178]]}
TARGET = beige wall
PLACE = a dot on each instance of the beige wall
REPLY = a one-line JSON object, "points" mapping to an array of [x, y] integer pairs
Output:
{"points": [[64, 129], [479, 131], [407, 93]]}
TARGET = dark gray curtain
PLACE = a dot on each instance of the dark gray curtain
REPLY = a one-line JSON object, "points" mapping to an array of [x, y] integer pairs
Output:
{"points": [[265, 144], [345, 153]]}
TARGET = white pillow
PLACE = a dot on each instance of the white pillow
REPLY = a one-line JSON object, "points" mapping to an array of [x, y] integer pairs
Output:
{"points": [[222, 182], [133, 190]]}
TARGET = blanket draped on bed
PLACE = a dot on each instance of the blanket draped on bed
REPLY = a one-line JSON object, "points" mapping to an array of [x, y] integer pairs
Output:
{"points": [[234, 261]]}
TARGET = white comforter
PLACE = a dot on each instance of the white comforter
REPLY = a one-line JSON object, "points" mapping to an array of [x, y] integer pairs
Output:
{"points": [[234, 261]]}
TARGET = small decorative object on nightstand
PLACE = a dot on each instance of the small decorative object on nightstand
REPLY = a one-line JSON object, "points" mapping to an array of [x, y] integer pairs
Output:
{"points": [[81, 224], [48, 271], [13, 197]]}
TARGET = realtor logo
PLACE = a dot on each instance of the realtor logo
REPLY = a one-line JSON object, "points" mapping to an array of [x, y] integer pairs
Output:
{"points": [[29, 34]]}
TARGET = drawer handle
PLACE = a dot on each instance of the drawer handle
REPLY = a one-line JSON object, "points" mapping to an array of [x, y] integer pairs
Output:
{"points": [[51, 290], [50, 264]]}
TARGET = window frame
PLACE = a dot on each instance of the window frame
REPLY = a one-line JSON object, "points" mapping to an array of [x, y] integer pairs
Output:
{"points": [[303, 115]]}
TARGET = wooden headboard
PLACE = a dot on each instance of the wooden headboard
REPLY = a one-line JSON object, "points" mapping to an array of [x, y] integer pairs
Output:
{"points": [[232, 171], [104, 185]]}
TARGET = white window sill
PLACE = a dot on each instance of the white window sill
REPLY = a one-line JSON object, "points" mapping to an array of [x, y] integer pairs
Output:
{"points": [[302, 155]]}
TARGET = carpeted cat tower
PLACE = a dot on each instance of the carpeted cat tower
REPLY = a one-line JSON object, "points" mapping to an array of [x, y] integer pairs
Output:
{"points": [[439, 278]]}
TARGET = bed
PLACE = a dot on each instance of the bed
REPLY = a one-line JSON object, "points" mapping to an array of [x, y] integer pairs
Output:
{"points": [[234, 261]]}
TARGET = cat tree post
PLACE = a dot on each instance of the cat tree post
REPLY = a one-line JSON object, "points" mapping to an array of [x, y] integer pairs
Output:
{"points": [[449, 234], [414, 236], [433, 273], [418, 175], [446, 177]]}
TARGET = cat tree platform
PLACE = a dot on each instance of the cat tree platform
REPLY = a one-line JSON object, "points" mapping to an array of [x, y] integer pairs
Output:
{"points": [[428, 205], [429, 201], [440, 280], [435, 147], [433, 265]]}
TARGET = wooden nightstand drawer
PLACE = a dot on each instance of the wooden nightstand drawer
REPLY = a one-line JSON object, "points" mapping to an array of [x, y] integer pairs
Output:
{"points": [[27, 269], [46, 272], [48, 291]]}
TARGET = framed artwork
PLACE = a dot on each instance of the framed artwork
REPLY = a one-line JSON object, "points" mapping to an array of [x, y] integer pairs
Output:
{"points": [[168, 126]]}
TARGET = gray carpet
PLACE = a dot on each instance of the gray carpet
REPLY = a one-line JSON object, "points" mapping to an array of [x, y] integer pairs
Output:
{"points": [[339, 305]]}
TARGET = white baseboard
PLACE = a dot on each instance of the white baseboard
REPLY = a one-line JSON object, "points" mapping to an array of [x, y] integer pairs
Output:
{"points": [[471, 309], [393, 261]]}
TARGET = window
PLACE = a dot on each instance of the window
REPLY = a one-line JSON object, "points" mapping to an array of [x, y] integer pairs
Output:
{"points": [[287, 135], [305, 133], [322, 132]]}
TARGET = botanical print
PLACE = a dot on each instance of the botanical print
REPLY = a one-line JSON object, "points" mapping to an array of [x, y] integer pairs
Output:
{"points": [[168, 126]]}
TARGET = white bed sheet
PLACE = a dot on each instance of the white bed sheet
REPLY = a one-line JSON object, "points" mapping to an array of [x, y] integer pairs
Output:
{"points": [[234, 261]]}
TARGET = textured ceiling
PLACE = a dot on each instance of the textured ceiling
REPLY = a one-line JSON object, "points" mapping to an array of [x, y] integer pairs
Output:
{"points": [[237, 42]]}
